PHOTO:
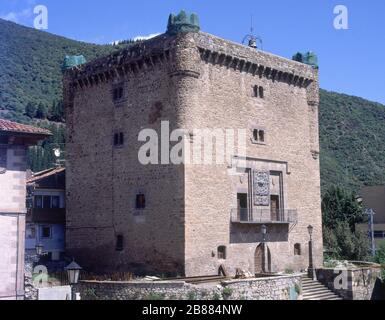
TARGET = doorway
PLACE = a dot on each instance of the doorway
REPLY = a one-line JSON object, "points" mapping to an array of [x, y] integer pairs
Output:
{"points": [[262, 259]]}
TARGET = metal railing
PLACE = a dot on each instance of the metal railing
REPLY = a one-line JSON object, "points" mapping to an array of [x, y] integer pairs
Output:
{"points": [[260, 216]]}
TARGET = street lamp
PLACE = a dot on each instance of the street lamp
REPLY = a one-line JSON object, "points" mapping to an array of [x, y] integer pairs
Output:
{"points": [[310, 229], [39, 249], [73, 272], [264, 232], [264, 260]]}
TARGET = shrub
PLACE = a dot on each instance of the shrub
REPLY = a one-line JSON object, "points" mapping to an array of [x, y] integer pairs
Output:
{"points": [[227, 293]]}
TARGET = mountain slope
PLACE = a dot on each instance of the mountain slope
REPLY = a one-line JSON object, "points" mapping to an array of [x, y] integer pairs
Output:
{"points": [[352, 131], [30, 63], [352, 136]]}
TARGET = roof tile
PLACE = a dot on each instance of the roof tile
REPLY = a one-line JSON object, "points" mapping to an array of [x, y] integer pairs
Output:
{"points": [[10, 126]]}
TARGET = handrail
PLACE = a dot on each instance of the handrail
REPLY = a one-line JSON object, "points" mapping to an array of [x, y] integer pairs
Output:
{"points": [[244, 215]]}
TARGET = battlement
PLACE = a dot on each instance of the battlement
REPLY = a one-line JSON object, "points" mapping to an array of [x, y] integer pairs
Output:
{"points": [[146, 55]]}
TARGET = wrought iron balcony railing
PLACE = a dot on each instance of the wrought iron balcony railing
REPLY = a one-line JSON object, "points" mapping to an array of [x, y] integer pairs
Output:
{"points": [[263, 216]]}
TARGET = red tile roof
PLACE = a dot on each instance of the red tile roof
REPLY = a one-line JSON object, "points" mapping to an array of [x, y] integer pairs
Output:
{"points": [[9, 126]]}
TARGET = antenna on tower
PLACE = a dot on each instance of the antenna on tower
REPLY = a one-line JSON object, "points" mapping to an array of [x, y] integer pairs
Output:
{"points": [[252, 39]]}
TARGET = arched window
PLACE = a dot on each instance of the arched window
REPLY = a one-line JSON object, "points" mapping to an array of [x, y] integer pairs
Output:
{"points": [[261, 92], [222, 252], [297, 249], [119, 243]]}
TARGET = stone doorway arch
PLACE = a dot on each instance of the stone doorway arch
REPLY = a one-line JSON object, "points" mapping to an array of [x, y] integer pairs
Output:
{"points": [[262, 259]]}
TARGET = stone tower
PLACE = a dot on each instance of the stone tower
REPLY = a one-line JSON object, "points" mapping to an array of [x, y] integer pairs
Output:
{"points": [[190, 219]]}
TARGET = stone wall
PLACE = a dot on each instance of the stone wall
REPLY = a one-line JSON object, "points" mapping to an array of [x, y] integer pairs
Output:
{"points": [[223, 97], [12, 223], [351, 284], [274, 288]]}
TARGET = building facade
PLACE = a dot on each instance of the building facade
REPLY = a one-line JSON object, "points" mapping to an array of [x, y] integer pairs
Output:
{"points": [[374, 198], [46, 213], [190, 218], [14, 140]]}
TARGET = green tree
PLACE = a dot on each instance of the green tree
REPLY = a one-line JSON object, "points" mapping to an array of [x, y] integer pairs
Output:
{"points": [[42, 111], [380, 258], [341, 213], [57, 112], [30, 110], [339, 205]]}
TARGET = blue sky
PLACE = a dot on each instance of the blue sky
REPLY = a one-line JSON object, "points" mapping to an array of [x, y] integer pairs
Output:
{"points": [[351, 61]]}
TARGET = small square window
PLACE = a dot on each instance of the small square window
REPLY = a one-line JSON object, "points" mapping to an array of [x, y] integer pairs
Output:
{"points": [[140, 201], [222, 253], [46, 232], [119, 139], [118, 93], [259, 136]]}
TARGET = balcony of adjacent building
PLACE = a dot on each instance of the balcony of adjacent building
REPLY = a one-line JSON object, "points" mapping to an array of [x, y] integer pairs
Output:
{"points": [[46, 209], [43, 215]]}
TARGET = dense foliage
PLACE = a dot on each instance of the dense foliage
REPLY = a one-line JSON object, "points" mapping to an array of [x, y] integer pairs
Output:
{"points": [[352, 135], [341, 212]]}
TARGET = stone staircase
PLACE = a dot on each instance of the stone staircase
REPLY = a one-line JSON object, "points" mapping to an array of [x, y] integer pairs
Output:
{"points": [[314, 290]]}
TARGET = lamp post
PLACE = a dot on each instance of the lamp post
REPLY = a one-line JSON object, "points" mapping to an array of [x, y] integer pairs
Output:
{"points": [[39, 249], [371, 214], [73, 272], [310, 230], [264, 232]]}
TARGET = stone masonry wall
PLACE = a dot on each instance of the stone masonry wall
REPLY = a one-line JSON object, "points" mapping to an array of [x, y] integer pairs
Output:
{"points": [[356, 284], [223, 97], [12, 223], [103, 180], [279, 288]]}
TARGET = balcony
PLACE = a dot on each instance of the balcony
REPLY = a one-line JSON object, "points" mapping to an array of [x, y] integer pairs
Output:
{"points": [[36, 215], [263, 216]]}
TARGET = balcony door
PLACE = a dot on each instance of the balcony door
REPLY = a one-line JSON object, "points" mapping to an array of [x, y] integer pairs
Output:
{"points": [[274, 208], [243, 212]]}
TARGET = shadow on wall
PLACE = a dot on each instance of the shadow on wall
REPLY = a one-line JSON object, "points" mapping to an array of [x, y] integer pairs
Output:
{"points": [[249, 233]]}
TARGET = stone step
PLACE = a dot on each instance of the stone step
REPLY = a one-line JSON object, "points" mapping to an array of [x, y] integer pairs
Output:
{"points": [[313, 286], [323, 299], [320, 296], [314, 291], [317, 298], [308, 280]]}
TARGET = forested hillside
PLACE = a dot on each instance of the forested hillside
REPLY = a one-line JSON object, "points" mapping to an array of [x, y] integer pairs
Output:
{"points": [[31, 82], [352, 131], [352, 136]]}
